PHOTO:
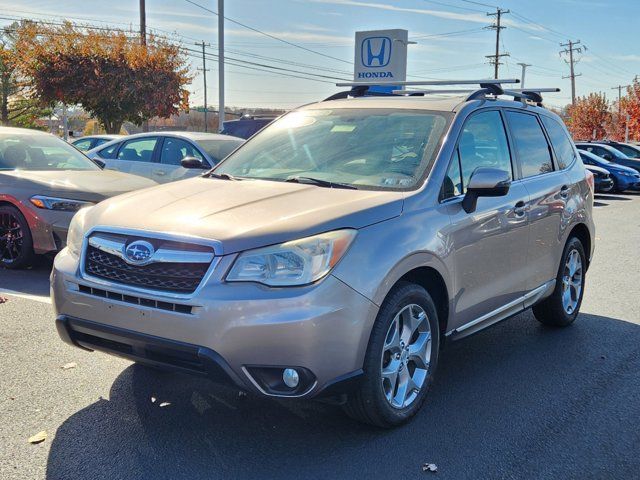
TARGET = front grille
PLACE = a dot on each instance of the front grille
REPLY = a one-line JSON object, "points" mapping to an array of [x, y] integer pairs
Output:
{"points": [[176, 277]]}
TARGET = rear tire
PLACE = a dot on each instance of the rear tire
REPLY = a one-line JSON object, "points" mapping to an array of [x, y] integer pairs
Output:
{"points": [[405, 335], [16, 243], [562, 307]]}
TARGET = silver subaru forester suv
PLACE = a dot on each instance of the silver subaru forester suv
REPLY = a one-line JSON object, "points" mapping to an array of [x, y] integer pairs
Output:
{"points": [[335, 252]]}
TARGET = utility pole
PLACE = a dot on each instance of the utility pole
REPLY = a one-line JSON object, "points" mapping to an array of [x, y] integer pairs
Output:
{"points": [[495, 59], [524, 70], [220, 65], [571, 48], [619, 88], [65, 122], [143, 42], [143, 23], [204, 70]]}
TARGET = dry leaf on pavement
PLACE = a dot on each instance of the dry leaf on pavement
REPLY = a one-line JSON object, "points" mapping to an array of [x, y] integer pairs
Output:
{"points": [[38, 437], [67, 366]]}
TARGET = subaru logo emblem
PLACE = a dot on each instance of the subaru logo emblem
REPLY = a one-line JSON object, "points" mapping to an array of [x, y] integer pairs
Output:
{"points": [[375, 51], [138, 252]]}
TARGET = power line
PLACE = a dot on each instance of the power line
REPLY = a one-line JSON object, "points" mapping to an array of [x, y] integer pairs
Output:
{"points": [[268, 34], [453, 6]]}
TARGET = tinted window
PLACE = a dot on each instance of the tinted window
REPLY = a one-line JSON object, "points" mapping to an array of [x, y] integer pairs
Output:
{"points": [[100, 141], [138, 150], [628, 151], [175, 149], [531, 144], [109, 152], [83, 144], [452, 186], [483, 143], [562, 144]]}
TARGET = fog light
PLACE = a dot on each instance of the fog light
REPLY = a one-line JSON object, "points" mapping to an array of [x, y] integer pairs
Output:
{"points": [[290, 377]]}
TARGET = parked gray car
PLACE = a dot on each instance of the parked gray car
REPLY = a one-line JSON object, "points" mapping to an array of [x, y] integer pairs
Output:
{"points": [[165, 156], [335, 252], [44, 181]]}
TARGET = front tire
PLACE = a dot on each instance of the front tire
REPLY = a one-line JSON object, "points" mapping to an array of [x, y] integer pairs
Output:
{"points": [[16, 243], [561, 308], [401, 359]]}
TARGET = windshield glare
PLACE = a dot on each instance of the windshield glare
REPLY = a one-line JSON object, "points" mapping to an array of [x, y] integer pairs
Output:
{"points": [[32, 151], [373, 148]]}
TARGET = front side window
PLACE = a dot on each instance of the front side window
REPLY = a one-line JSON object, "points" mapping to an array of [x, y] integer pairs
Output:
{"points": [[138, 150], [482, 143], [175, 149], [367, 148], [562, 144], [533, 150], [27, 151]]}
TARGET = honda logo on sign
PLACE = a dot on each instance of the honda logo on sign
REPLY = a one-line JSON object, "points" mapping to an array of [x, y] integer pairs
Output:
{"points": [[375, 51], [381, 55]]}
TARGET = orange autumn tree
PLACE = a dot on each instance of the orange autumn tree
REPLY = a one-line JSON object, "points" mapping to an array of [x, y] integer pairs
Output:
{"points": [[631, 105], [110, 74], [588, 117]]}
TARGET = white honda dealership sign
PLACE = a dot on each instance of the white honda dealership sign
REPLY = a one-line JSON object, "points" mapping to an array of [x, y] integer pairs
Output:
{"points": [[381, 55]]}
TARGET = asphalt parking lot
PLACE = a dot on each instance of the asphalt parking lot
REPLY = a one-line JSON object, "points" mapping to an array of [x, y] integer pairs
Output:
{"points": [[516, 401]]}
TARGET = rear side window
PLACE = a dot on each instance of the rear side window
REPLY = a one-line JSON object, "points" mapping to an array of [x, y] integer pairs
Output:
{"points": [[562, 144], [83, 144], [483, 143], [628, 151], [530, 143]]}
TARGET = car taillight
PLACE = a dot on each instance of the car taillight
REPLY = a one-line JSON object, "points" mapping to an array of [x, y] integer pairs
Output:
{"points": [[590, 180]]}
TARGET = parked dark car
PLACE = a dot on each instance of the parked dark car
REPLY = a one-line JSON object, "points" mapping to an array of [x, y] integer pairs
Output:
{"points": [[624, 178], [246, 127], [602, 180], [610, 153], [630, 150]]}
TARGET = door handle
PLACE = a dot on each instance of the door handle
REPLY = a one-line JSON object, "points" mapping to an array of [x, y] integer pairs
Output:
{"points": [[520, 209], [159, 172], [564, 192]]}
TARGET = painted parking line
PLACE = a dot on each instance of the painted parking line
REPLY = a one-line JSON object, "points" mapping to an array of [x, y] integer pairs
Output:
{"points": [[35, 298]]}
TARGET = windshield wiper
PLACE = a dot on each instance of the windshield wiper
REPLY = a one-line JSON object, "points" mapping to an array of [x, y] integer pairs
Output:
{"points": [[220, 176], [320, 183]]}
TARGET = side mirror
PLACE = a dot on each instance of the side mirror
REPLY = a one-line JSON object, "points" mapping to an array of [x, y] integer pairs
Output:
{"points": [[607, 156], [485, 182], [192, 162]]}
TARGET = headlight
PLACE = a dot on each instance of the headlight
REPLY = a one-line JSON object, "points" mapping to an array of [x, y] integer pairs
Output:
{"points": [[75, 234], [298, 262], [63, 204]]}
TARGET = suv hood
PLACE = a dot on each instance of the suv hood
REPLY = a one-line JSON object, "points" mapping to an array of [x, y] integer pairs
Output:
{"points": [[247, 213], [88, 185]]}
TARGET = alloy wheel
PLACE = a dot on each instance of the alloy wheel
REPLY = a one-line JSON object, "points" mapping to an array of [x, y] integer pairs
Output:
{"points": [[406, 354], [11, 237], [572, 282]]}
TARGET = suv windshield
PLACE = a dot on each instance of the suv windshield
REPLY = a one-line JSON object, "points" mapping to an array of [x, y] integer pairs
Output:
{"points": [[372, 148], [27, 151]]}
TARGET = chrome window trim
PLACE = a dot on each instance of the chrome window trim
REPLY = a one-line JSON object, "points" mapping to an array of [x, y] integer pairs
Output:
{"points": [[122, 288]]}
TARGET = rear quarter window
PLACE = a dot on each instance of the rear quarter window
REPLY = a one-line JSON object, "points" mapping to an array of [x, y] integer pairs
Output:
{"points": [[561, 143]]}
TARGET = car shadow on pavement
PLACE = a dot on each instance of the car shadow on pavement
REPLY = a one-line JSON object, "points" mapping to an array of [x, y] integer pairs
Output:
{"points": [[519, 400], [611, 197], [31, 281]]}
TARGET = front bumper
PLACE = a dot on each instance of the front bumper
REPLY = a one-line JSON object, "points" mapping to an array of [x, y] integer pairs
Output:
{"points": [[230, 328]]}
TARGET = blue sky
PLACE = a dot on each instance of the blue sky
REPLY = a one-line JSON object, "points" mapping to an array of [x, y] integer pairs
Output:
{"points": [[609, 29]]}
